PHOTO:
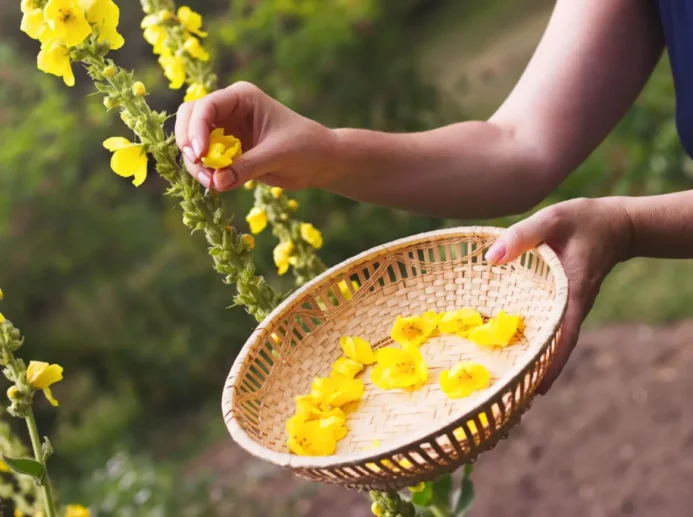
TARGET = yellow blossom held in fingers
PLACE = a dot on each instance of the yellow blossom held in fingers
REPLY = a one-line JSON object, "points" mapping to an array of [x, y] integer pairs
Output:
{"points": [[76, 510], [345, 367], [139, 89], [460, 322], [463, 379], [195, 92], [276, 192], [311, 235], [174, 69], [282, 256], [191, 21], [54, 58], [414, 330], [257, 219], [128, 159], [193, 47], [336, 392], [156, 37], [499, 331], [357, 349], [249, 241], [41, 376], [399, 368], [105, 14], [67, 20], [223, 149]]}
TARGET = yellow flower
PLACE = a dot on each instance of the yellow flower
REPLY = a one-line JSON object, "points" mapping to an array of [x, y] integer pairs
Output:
{"points": [[276, 192], [42, 375], [257, 219], [413, 330], [193, 46], [344, 289], [67, 21], [4, 467], [460, 322], [377, 510], [499, 331], [249, 185], [2, 295], [191, 21], [195, 92], [282, 256], [128, 159], [399, 368], [174, 68], [357, 349], [34, 23], [459, 432], [346, 367], [139, 89], [156, 36], [292, 204], [249, 241], [12, 392], [2, 318], [315, 437], [76, 510], [222, 150], [464, 379], [311, 235], [336, 392], [308, 409], [105, 14], [54, 59]]}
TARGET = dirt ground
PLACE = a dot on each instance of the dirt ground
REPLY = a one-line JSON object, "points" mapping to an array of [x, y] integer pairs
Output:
{"points": [[613, 438]]}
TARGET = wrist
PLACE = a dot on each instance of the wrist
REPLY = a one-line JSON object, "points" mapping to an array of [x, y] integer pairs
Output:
{"points": [[622, 209]]}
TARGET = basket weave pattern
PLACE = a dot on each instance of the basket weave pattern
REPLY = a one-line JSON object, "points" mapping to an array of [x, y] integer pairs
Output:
{"points": [[421, 434]]}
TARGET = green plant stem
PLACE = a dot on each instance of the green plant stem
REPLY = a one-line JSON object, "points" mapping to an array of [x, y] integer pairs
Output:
{"points": [[38, 456]]}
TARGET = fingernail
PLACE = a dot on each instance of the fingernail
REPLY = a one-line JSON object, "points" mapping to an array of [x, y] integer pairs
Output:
{"points": [[197, 145], [225, 179], [190, 154], [205, 179], [496, 253]]}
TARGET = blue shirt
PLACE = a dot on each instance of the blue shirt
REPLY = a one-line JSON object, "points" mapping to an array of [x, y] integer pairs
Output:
{"points": [[677, 20]]}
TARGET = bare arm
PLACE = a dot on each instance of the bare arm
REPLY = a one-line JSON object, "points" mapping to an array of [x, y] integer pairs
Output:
{"points": [[592, 62]]}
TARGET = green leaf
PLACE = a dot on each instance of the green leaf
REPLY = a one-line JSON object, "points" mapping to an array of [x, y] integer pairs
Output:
{"points": [[466, 497], [423, 498], [26, 467], [442, 488]]}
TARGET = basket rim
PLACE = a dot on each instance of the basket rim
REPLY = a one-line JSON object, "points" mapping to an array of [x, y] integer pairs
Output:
{"points": [[286, 459]]}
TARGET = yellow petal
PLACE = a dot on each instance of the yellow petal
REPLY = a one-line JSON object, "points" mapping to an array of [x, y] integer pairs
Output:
{"points": [[55, 59], [49, 395], [33, 23], [414, 330], [357, 349], [346, 367], [195, 49], [2, 318], [454, 387], [41, 375], [67, 20], [311, 235], [4, 467], [191, 20], [116, 142], [195, 91], [463, 379], [130, 161]]}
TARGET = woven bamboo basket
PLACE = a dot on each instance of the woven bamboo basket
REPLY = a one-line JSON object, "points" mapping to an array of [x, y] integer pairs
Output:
{"points": [[422, 434]]}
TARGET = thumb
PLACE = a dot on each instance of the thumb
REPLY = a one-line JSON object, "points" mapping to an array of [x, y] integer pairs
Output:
{"points": [[250, 165], [519, 238]]}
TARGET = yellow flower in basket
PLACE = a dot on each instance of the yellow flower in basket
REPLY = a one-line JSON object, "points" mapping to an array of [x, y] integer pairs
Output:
{"points": [[345, 367], [499, 331], [414, 330], [308, 408], [399, 368], [463, 379], [316, 437], [336, 392], [460, 322], [223, 149], [357, 349]]}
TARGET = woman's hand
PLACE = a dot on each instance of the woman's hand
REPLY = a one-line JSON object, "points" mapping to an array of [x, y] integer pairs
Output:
{"points": [[590, 236], [280, 146]]}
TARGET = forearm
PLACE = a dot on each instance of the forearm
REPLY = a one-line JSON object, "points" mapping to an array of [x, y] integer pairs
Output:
{"points": [[471, 169], [661, 226]]}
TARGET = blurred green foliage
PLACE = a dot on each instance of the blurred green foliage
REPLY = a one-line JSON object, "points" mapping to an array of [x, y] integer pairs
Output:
{"points": [[105, 279]]}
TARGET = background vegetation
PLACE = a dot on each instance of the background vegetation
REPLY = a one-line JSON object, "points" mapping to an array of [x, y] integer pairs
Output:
{"points": [[104, 279]]}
